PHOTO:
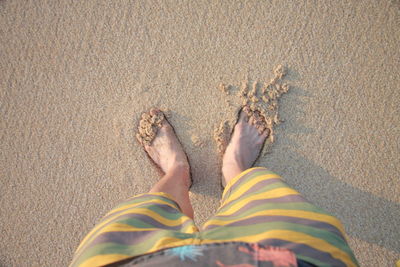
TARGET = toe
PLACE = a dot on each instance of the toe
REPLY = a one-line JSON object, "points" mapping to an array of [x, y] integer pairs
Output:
{"points": [[139, 138], [251, 120], [265, 134], [246, 109], [166, 126], [154, 111], [260, 129], [243, 115]]}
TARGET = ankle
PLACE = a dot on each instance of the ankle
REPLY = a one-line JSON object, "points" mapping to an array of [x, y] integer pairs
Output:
{"points": [[230, 171], [180, 172], [179, 167]]}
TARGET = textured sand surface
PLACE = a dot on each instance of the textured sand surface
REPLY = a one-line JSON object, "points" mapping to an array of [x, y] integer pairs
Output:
{"points": [[76, 75]]}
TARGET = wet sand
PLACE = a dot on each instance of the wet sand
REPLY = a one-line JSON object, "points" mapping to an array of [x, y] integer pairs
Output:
{"points": [[75, 78]]}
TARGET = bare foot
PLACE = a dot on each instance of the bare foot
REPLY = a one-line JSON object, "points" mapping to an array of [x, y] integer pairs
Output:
{"points": [[245, 145], [163, 147]]}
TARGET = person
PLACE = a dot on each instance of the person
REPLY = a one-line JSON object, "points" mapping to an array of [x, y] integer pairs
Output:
{"points": [[261, 221]]}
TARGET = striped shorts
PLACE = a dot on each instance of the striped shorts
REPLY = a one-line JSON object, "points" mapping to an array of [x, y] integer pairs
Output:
{"points": [[257, 206]]}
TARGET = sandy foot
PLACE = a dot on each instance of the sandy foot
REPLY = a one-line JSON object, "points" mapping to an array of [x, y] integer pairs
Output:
{"points": [[160, 141]]}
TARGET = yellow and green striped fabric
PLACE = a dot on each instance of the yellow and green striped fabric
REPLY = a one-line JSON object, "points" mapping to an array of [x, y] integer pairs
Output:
{"points": [[257, 206]]}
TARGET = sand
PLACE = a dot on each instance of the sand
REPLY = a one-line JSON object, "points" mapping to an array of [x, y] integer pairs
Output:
{"points": [[76, 76]]}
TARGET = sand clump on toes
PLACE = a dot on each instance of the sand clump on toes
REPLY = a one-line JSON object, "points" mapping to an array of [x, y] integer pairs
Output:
{"points": [[149, 125]]}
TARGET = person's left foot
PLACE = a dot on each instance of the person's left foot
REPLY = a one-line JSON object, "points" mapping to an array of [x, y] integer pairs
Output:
{"points": [[161, 142]]}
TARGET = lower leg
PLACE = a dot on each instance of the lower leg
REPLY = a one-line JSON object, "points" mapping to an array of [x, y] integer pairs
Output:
{"points": [[175, 183]]}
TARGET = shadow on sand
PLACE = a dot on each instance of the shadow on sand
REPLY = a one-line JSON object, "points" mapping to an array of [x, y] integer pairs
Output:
{"points": [[365, 216]]}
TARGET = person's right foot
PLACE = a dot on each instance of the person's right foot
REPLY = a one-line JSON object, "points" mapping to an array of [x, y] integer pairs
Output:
{"points": [[244, 147]]}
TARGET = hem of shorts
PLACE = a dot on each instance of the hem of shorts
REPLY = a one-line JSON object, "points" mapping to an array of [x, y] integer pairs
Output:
{"points": [[166, 195], [240, 175]]}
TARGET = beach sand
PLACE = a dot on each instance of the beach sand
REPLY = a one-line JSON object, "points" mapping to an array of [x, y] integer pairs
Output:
{"points": [[75, 76]]}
